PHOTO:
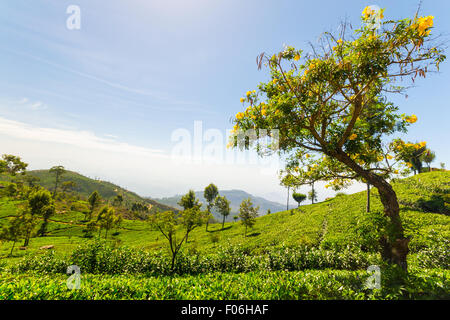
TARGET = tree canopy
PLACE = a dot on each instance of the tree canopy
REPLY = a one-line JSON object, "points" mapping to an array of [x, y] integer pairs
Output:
{"points": [[328, 111]]}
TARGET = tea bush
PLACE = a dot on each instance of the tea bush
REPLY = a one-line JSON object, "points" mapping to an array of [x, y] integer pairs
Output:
{"points": [[311, 284], [99, 258]]}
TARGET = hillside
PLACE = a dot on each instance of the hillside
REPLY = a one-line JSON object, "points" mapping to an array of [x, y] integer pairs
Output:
{"points": [[334, 223], [85, 186], [235, 197]]}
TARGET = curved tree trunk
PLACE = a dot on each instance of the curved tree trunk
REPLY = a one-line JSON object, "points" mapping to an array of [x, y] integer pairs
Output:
{"points": [[394, 247]]}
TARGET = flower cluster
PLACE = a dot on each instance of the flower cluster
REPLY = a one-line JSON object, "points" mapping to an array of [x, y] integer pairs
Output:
{"points": [[411, 118], [423, 25]]}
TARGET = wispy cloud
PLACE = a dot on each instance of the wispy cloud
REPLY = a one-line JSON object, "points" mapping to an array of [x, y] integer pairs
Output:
{"points": [[82, 139], [25, 103], [176, 104]]}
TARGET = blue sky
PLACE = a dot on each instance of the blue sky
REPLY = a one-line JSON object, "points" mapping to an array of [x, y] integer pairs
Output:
{"points": [[98, 98]]}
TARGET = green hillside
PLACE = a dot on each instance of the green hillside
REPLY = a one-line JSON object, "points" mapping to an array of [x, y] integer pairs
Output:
{"points": [[336, 222], [318, 251], [85, 186]]}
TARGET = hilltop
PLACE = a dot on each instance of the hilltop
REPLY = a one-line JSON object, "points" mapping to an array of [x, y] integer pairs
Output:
{"points": [[85, 186], [235, 197]]}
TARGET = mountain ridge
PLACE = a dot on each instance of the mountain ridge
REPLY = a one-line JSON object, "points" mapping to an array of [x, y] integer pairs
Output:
{"points": [[235, 196]]}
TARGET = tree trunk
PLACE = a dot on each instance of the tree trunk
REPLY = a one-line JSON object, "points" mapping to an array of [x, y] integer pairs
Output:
{"points": [[394, 246], [287, 201], [173, 261], [368, 197], [223, 222], [14, 244], [27, 240]]}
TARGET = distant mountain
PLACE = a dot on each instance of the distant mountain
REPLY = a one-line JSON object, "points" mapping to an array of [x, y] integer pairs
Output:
{"points": [[85, 186], [235, 197]]}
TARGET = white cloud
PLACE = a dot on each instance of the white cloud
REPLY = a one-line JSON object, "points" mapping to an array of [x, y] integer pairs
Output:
{"points": [[149, 172], [82, 139]]}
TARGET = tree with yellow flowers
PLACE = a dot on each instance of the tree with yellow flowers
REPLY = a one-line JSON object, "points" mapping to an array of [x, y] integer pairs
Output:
{"points": [[331, 113]]}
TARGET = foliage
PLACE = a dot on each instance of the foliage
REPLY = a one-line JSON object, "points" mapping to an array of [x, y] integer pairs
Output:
{"points": [[12, 165], [331, 111], [189, 200], [223, 206], [94, 201], [248, 214], [299, 197]]}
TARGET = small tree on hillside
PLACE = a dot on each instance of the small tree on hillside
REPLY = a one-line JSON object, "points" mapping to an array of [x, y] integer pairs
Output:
{"points": [[192, 218], [107, 219], [248, 214], [189, 201], [12, 165], [28, 222], [428, 157], [167, 222], [68, 186], [312, 195], [41, 204], [94, 201], [211, 192], [58, 171], [118, 200], [31, 180], [14, 231], [299, 197], [223, 206]]}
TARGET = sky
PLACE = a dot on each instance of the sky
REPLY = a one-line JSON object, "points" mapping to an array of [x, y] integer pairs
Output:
{"points": [[142, 81]]}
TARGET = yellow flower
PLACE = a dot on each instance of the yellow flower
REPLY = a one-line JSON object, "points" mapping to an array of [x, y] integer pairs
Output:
{"points": [[242, 100], [409, 164], [340, 41], [353, 136], [367, 12], [235, 128], [249, 93], [263, 111], [297, 57], [380, 158], [275, 80], [411, 119], [423, 24], [389, 157], [307, 156], [239, 115], [396, 171], [422, 144]]}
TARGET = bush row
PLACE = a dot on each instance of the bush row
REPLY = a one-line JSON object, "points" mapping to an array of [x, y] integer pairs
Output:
{"points": [[98, 258], [261, 285]]}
